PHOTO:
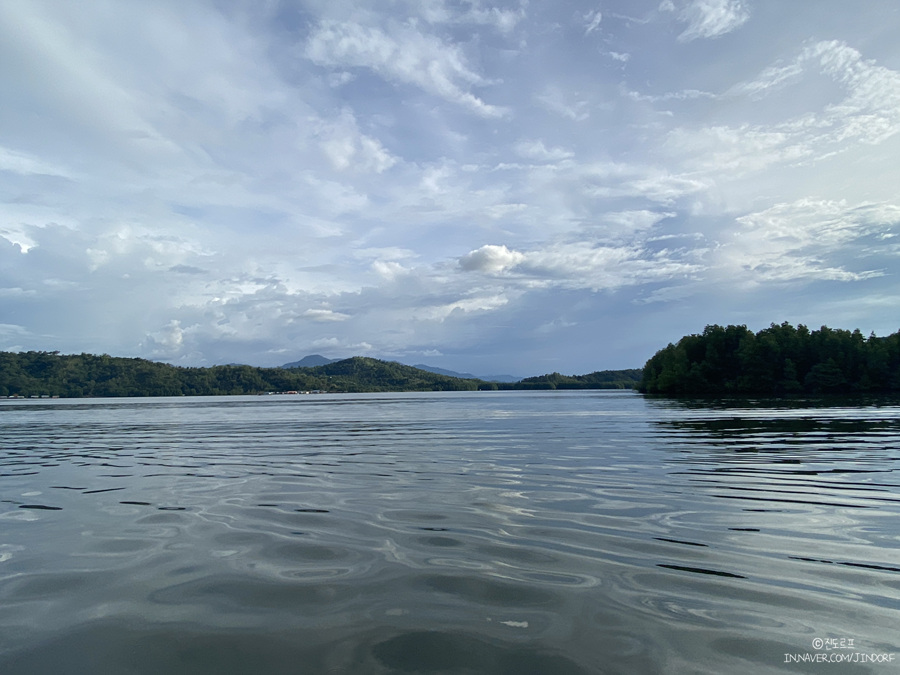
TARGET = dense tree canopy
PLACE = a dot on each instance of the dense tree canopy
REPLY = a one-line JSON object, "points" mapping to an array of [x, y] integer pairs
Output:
{"points": [[84, 375], [52, 374], [604, 379], [780, 359]]}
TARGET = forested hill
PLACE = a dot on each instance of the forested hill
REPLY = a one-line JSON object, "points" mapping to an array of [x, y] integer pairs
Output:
{"points": [[83, 375], [777, 360], [602, 379], [53, 374]]}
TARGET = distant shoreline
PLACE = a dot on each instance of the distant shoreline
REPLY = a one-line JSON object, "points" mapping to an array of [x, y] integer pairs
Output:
{"points": [[36, 375]]}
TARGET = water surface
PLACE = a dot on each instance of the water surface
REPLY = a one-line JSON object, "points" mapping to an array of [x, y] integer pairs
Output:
{"points": [[471, 532]]}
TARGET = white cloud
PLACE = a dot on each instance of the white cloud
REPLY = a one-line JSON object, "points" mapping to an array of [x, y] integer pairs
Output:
{"points": [[505, 211], [11, 329], [536, 150], [334, 343], [18, 236], [406, 55], [475, 304], [504, 20], [709, 18], [626, 225], [598, 268], [324, 315], [807, 240], [592, 21], [555, 100], [24, 163], [871, 111], [442, 12], [166, 342], [347, 148], [612, 180], [388, 269], [868, 114], [580, 265], [771, 79], [490, 259], [554, 326], [187, 188], [684, 95]]}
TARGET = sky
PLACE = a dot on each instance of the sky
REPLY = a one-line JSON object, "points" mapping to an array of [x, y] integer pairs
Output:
{"points": [[510, 186]]}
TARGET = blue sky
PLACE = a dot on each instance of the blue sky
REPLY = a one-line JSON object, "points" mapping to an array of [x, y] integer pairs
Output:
{"points": [[518, 186]]}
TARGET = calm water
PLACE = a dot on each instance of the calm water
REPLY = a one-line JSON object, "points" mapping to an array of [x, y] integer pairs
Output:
{"points": [[496, 532]]}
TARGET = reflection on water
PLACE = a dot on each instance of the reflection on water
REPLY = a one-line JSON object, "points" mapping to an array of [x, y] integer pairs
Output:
{"points": [[492, 532]]}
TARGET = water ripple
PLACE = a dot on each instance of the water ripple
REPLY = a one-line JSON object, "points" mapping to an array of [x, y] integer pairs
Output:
{"points": [[558, 532]]}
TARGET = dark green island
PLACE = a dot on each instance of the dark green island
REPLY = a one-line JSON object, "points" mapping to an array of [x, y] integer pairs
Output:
{"points": [[779, 360]]}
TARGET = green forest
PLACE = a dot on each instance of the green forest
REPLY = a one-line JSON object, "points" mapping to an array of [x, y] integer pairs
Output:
{"points": [[88, 375], [602, 379], [780, 359], [28, 374]]}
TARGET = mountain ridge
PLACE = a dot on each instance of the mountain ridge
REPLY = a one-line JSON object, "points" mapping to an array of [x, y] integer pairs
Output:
{"points": [[50, 374], [309, 361], [314, 360]]}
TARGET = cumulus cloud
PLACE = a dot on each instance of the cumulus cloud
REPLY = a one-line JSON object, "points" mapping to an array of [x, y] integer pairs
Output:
{"points": [[580, 265], [388, 269], [490, 259], [18, 236], [166, 342]]}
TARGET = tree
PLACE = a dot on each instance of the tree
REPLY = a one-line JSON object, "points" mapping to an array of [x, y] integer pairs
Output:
{"points": [[777, 360]]}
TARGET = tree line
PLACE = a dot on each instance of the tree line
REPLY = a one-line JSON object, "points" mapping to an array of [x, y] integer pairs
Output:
{"points": [[601, 379], [89, 375], [780, 359], [41, 373]]}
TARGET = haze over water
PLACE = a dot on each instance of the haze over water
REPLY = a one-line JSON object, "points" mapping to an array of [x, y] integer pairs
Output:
{"points": [[477, 532]]}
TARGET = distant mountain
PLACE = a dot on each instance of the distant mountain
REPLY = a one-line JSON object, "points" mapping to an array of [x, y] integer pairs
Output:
{"points": [[359, 374], [467, 376], [48, 374], [316, 360], [507, 379], [442, 371], [311, 361], [601, 379]]}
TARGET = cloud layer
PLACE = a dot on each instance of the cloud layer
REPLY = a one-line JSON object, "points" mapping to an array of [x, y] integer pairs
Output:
{"points": [[484, 186]]}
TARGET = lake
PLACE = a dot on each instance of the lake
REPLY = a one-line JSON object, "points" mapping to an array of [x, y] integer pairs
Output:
{"points": [[472, 532]]}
